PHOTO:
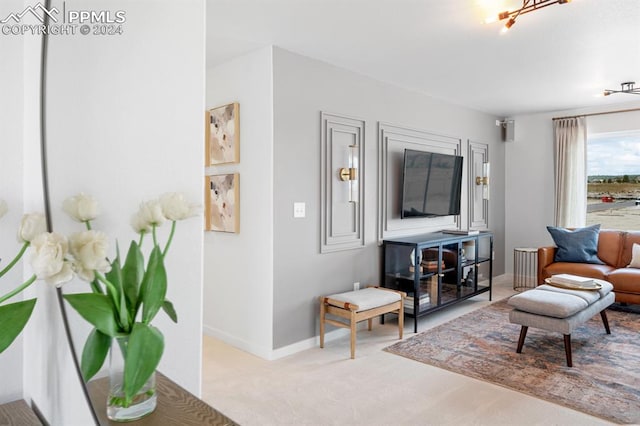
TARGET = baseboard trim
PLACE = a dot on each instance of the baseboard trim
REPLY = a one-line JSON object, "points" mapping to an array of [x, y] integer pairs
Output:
{"points": [[274, 354]]}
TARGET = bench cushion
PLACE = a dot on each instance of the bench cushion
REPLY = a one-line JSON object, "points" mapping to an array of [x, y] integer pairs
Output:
{"points": [[548, 303], [367, 298]]}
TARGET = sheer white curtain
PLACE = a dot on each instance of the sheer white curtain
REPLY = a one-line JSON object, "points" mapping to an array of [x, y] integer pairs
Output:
{"points": [[570, 171]]}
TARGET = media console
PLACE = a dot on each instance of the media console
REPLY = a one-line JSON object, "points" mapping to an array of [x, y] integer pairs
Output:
{"points": [[437, 270]]}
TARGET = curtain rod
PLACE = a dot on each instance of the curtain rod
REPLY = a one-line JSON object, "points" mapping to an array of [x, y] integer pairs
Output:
{"points": [[598, 113]]}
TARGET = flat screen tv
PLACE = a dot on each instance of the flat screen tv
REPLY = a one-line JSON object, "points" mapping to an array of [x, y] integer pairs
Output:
{"points": [[431, 184]]}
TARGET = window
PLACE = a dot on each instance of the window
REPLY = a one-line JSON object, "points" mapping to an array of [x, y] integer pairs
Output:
{"points": [[613, 180]]}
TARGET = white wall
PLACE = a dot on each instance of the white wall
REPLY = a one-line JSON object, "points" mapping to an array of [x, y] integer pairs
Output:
{"points": [[11, 188], [238, 268], [529, 177], [125, 125]]}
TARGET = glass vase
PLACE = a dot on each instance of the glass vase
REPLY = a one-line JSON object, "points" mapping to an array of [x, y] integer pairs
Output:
{"points": [[143, 403]]}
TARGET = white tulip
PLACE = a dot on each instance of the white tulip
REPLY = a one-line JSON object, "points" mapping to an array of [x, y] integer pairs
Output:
{"points": [[81, 207], [31, 225], [176, 207], [139, 224], [150, 212], [89, 249], [4, 208], [48, 259]]}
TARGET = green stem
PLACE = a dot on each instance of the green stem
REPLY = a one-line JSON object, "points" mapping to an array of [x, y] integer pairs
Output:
{"points": [[153, 231], [88, 225], [141, 239], [112, 290], [95, 287], [15, 260], [173, 230], [18, 289]]}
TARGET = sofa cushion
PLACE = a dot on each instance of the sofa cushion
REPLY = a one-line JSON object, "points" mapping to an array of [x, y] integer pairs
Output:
{"points": [[610, 243], [578, 245], [625, 280], [590, 270]]}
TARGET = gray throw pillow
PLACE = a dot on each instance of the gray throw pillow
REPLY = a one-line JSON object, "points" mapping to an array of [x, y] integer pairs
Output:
{"points": [[578, 245]]}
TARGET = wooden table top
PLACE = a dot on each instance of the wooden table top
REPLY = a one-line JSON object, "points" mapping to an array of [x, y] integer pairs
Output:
{"points": [[18, 413], [175, 406]]}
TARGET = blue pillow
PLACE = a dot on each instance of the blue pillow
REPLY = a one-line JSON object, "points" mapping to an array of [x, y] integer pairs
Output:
{"points": [[579, 245]]}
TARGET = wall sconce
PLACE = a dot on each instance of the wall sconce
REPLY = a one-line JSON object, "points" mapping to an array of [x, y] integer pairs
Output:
{"points": [[350, 174], [484, 180]]}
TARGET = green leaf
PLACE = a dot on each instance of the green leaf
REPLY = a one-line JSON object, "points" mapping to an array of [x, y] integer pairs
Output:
{"points": [[94, 353], [170, 311], [154, 286], [115, 276], [97, 309], [13, 318], [132, 275], [146, 344]]}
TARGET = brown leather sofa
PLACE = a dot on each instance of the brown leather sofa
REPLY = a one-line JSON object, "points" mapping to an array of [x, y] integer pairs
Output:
{"points": [[614, 249]]}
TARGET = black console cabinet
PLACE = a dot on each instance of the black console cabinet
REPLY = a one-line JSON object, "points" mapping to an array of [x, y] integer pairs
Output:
{"points": [[438, 269]]}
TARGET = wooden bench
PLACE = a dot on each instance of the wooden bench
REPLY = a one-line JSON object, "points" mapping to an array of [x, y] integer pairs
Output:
{"points": [[360, 305]]}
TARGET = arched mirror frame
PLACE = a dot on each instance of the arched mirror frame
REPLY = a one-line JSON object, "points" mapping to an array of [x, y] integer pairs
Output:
{"points": [[47, 203]]}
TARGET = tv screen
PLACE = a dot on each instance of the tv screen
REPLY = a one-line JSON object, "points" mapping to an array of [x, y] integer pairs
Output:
{"points": [[431, 184]]}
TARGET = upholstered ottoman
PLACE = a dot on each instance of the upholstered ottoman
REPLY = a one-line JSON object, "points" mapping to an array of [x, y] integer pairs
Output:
{"points": [[559, 310], [361, 305]]}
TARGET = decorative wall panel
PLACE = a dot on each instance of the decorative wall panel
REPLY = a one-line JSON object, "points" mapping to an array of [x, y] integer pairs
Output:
{"points": [[392, 141], [478, 206], [342, 202]]}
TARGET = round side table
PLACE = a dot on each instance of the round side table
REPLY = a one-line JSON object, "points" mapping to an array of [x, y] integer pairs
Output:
{"points": [[525, 268]]}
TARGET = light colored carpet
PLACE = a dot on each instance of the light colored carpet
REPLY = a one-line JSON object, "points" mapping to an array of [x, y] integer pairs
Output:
{"points": [[325, 387], [604, 381]]}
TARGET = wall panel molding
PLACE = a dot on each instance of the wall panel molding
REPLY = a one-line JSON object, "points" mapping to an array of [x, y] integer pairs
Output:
{"points": [[478, 207], [342, 220], [392, 141]]}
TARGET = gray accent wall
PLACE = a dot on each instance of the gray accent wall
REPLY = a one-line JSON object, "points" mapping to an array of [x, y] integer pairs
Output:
{"points": [[302, 88]]}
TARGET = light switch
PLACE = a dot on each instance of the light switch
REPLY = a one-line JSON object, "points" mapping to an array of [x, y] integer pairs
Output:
{"points": [[298, 210]]}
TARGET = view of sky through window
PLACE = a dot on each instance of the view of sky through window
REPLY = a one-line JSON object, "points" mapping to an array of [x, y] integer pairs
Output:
{"points": [[613, 180]]}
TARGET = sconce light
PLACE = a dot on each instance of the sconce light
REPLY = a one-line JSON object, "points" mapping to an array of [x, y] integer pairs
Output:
{"points": [[484, 180], [350, 174]]}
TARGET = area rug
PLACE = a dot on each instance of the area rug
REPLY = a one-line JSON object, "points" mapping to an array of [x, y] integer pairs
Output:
{"points": [[604, 380]]}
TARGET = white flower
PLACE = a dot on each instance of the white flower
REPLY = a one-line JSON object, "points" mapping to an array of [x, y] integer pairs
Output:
{"points": [[48, 259], [31, 225], [3, 208], [81, 207], [89, 249], [139, 224], [150, 212], [175, 206]]}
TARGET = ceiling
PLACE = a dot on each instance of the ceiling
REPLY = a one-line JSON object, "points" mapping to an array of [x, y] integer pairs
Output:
{"points": [[556, 58]]}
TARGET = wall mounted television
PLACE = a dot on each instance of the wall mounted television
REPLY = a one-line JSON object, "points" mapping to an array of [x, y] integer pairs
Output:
{"points": [[431, 184]]}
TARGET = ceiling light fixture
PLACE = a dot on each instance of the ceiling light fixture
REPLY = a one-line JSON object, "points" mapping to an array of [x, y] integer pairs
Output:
{"points": [[626, 87], [527, 6]]}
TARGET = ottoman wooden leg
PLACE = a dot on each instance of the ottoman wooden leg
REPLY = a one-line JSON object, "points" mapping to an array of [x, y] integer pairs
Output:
{"points": [[567, 349], [523, 334], [605, 321]]}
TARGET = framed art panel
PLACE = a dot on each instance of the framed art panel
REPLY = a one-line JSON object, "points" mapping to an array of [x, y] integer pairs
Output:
{"points": [[222, 135], [222, 198]]}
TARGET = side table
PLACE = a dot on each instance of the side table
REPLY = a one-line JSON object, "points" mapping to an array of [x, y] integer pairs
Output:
{"points": [[525, 268]]}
